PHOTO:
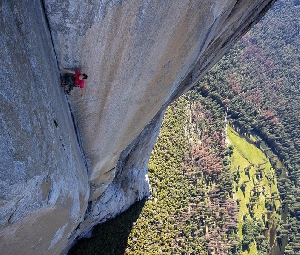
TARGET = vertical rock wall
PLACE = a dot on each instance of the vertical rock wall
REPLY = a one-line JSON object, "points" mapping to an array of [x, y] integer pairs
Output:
{"points": [[139, 55], [43, 180]]}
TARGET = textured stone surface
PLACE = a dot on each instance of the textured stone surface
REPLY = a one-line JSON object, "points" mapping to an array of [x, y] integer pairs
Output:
{"points": [[43, 180], [139, 55]]}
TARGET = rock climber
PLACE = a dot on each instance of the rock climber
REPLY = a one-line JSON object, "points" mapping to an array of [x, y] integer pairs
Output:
{"points": [[73, 79]]}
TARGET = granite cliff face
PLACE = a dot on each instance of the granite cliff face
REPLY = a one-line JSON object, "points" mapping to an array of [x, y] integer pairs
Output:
{"points": [[63, 172], [43, 178]]}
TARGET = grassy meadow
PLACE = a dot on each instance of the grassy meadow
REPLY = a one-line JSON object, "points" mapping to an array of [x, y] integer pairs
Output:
{"points": [[255, 188]]}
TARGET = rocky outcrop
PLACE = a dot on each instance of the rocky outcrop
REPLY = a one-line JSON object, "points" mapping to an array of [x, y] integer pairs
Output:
{"points": [[57, 179]]}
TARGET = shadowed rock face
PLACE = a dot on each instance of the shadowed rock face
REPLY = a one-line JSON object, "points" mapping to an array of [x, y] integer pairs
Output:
{"points": [[43, 180], [140, 56]]}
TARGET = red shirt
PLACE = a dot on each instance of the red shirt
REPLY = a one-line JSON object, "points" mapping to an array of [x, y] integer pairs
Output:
{"points": [[78, 83]]}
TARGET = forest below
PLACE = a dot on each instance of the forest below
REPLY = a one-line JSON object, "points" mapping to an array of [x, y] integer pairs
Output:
{"points": [[258, 87], [224, 171]]}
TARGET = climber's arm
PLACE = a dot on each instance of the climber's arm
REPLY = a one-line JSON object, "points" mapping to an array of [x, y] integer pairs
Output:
{"points": [[66, 70]]}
